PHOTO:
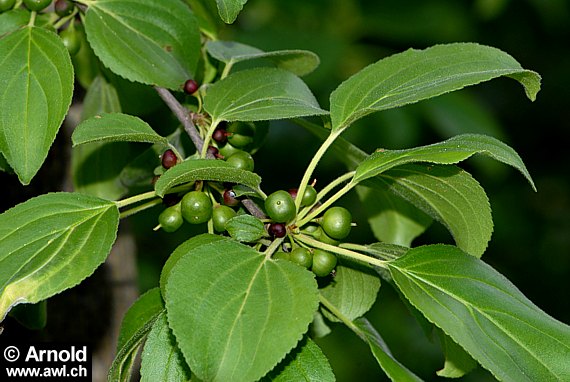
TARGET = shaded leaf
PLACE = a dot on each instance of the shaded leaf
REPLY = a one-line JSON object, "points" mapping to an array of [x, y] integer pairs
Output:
{"points": [[36, 85], [485, 313], [415, 75], [51, 243], [230, 9], [237, 323], [204, 169], [152, 42], [299, 62], [115, 127], [457, 361], [260, 94], [245, 228]]}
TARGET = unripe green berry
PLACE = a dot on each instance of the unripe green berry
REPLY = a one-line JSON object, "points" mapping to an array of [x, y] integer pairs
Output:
{"points": [[241, 160], [36, 5], [6, 5], [302, 256], [196, 207], [240, 134], [323, 262], [337, 222], [220, 216], [171, 218], [281, 255], [321, 236], [309, 196], [280, 206], [71, 40]]}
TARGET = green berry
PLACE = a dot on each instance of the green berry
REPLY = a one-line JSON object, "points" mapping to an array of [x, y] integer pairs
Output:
{"points": [[6, 5], [241, 160], [323, 262], [309, 196], [71, 40], [196, 207], [228, 150], [280, 206], [220, 216], [281, 255], [171, 218], [337, 222], [240, 134], [36, 5], [321, 236], [302, 256]]}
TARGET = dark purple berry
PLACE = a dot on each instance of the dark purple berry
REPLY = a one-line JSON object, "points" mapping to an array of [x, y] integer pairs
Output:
{"points": [[293, 192], [170, 199], [277, 230], [190, 87], [213, 151], [220, 136], [169, 159], [230, 198], [63, 7]]}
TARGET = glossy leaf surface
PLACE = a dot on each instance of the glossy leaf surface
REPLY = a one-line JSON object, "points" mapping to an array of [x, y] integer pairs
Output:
{"points": [[230, 9]]}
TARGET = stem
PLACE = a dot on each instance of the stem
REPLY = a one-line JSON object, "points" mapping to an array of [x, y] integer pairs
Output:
{"points": [[313, 164], [362, 248], [273, 247], [326, 204], [338, 314], [135, 199], [183, 116], [227, 69], [32, 19], [140, 208], [65, 19], [208, 138], [326, 190], [253, 209], [341, 251]]}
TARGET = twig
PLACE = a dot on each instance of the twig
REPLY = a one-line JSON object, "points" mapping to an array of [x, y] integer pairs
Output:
{"points": [[253, 208]]}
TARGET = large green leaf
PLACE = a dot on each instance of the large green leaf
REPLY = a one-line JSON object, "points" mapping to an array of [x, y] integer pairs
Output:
{"points": [[260, 94], [484, 313], [451, 151], [306, 363], [299, 62], [353, 291], [230, 9], [161, 359], [238, 321], [204, 169], [393, 369], [36, 85], [115, 127], [137, 323], [415, 75], [51, 243], [450, 196], [147, 41]]}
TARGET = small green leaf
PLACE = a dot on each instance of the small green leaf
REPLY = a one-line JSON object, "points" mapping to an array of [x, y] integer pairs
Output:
{"points": [[451, 151], [115, 127], [204, 169], [230, 9], [353, 291], [237, 322], [51, 243], [299, 62], [483, 312], [152, 42], [245, 228], [161, 359], [457, 361], [36, 85], [305, 363], [260, 94], [415, 75], [137, 323], [206, 12], [450, 196], [393, 369]]}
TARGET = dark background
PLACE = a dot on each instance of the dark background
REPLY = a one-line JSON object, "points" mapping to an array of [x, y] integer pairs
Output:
{"points": [[531, 239]]}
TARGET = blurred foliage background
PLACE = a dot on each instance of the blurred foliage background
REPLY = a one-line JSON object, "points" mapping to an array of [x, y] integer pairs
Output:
{"points": [[531, 241]]}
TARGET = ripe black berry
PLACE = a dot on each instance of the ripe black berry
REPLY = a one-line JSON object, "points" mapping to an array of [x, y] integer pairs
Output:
{"points": [[230, 198], [63, 7], [220, 136], [169, 159], [190, 86], [277, 230]]}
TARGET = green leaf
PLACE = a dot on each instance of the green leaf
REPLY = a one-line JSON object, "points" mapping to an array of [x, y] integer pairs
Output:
{"points": [[161, 358], [204, 169], [51, 243], [206, 12], [391, 218], [483, 312], [299, 62], [115, 127], [457, 361], [137, 323], [237, 322], [152, 42], [260, 94], [230, 9], [12, 20], [31, 316], [415, 75], [36, 85], [353, 291], [450, 196], [305, 363], [245, 228], [101, 97], [393, 369], [451, 151]]}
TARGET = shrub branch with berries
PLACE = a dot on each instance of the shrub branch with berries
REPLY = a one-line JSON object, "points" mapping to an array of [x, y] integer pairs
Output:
{"points": [[245, 299]]}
